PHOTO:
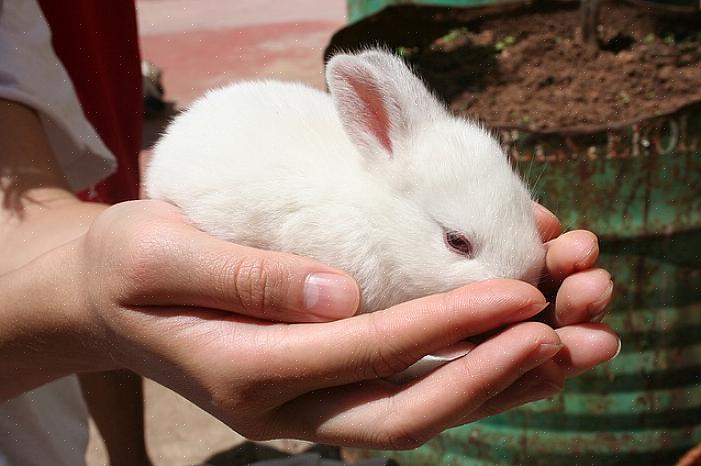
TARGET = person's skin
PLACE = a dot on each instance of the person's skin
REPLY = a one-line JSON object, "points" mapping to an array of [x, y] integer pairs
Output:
{"points": [[140, 288], [115, 401], [38, 213]]}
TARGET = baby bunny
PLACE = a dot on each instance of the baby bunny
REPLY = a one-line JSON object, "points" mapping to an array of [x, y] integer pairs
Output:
{"points": [[377, 179]]}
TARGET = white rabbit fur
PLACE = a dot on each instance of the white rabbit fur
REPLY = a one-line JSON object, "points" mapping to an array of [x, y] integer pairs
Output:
{"points": [[367, 179]]}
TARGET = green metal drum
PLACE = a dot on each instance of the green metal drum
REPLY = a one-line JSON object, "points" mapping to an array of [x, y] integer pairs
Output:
{"points": [[359, 9], [638, 186]]}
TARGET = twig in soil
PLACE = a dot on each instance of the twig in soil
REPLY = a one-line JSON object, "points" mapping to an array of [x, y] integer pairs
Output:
{"points": [[589, 22]]}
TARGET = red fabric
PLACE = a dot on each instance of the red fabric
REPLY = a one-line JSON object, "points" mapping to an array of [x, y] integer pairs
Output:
{"points": [[98, 44]]}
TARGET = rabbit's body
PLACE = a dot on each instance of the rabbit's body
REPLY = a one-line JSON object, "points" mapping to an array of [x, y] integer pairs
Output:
{"points": [[373, 180], [329, 209]]}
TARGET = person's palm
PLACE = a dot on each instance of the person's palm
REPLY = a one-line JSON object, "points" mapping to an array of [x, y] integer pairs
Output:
{"points": [[176, 307]]}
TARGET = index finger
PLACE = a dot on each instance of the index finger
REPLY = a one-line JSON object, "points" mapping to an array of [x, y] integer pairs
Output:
{"points": [[548, 224], [386, 342], [169, 262], [375, 414]]}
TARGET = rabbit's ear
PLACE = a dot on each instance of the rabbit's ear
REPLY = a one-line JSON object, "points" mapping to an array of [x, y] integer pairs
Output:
{"points": [[379, 100]]}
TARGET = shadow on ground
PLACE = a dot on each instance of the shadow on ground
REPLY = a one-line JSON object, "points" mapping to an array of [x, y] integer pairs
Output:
{"points": [[253, 454]]}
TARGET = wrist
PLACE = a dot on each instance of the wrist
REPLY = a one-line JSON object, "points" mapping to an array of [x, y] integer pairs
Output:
{"points": [[56, 218], [47, 330]]}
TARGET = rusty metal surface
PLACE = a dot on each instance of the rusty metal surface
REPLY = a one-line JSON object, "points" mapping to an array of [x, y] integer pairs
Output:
{"points": [[639, 187], [642, 409], [639, 180]]}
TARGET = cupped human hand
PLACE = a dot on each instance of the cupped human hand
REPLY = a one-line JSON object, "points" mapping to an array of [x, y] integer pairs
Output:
{"points": [[195, 314], [580, 291]]}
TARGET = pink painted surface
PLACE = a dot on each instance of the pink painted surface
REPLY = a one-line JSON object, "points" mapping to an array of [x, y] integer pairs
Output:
{"points": [[199, 60], [169, 16], [208, 43]]}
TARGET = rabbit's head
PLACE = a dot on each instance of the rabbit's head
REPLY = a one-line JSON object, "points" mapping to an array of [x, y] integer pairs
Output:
{"points": [[458, 212]]}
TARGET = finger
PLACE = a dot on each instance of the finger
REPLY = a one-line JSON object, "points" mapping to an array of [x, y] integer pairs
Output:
{"points": [[387, 342], [586, 346], [548, 224], [189, 267], [379, 415], [571, 252], [543, 382], [583, 297]]}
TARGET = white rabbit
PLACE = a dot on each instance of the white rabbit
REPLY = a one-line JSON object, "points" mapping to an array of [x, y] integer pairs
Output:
{"points": [[377, 179]]}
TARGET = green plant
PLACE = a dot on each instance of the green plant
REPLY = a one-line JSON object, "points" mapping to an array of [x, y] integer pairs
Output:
{"points": [[504, 43], [649, 39], [625, 98], [454, 34]]}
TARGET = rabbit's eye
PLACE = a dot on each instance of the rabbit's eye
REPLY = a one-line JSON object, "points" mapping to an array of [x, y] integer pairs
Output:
{"points": [[458, 243]]}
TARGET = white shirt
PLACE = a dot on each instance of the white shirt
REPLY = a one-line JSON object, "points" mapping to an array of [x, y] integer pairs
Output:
{"points": [[31, 73], [45, 426], [48, 425]]}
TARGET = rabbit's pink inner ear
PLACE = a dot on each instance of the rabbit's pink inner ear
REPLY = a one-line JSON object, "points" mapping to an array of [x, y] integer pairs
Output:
{"points": [[373, 111]]}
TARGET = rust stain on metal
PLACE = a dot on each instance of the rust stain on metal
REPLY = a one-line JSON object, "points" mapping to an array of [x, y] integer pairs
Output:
{"points": [[614, 178]]}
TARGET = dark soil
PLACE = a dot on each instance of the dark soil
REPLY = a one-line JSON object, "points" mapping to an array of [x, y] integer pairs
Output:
{"points": [[527, 68]]}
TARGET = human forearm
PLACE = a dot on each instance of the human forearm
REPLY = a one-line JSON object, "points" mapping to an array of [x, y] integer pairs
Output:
{"points": [[45, 332], [39, 332], [37, 209]]}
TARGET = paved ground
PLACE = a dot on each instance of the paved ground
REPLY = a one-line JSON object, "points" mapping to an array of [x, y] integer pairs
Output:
{"points": [[205, 43], [202, 44]]}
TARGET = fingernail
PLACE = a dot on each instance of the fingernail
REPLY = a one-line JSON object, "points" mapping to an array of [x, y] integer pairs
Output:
{"points": [[554, 224], [455, 351], [531, 310], [546, 351], [545, 211], [618, 351], [330, 295], [597, 308], [584, 262]]}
